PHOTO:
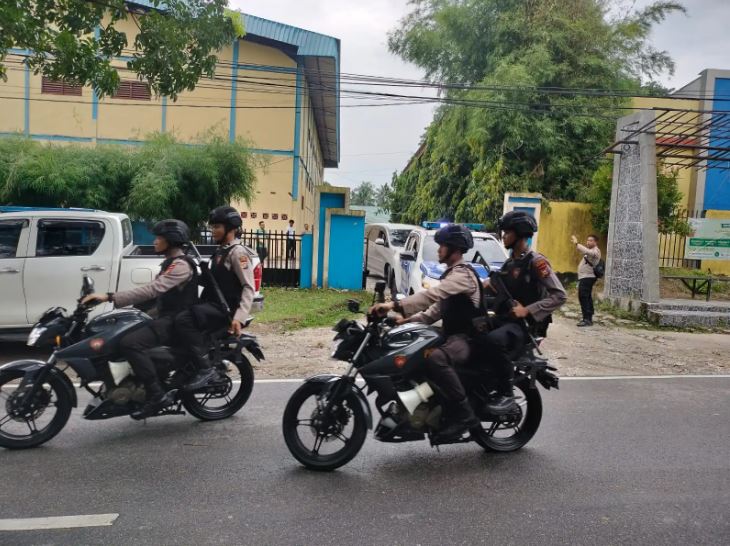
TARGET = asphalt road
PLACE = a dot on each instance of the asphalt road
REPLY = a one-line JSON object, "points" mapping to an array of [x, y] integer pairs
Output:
{"points": [[616, 461]]}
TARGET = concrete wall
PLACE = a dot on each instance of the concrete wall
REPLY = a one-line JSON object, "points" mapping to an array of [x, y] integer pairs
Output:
{"points": [[558, 222]]}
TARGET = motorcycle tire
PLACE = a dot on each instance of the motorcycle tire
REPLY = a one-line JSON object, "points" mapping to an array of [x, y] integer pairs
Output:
{"points": [[198, 409], [53, 385], [308, 457], [532, 410]]}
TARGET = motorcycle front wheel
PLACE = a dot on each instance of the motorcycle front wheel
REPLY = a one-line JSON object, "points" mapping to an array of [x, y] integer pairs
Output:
{"points": [[321, 438], [510, 433], [47, 415]]}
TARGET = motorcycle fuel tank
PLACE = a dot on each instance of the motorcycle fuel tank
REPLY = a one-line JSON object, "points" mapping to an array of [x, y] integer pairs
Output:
{"points": [[405, 347]]}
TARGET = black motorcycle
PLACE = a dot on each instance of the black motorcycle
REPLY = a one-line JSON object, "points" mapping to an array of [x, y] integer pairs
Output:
{"points": [[326, 420], [36, 397]]}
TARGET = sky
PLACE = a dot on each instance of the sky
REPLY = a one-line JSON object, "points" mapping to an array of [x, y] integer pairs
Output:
{"points": [[378, 141]]}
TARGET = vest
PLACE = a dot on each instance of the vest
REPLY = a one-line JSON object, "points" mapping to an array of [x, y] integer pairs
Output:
{"points": [[225, 278], [181, 297], [523, 286], [458, 311]]}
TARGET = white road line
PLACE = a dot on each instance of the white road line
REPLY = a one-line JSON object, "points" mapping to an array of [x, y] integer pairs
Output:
{"points": [[622, 377], [57, 522]]}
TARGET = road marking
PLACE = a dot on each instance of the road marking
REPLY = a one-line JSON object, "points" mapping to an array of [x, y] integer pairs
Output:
{"points": [[614, 377], [57, 522]]}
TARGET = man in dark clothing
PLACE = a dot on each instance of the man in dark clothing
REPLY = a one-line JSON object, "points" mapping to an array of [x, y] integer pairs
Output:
{"points": [[456, 300], [175, 288], [227, 295], [536, 292]]}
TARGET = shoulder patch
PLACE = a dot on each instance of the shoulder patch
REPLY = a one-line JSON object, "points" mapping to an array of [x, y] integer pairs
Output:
{"points": [[542, 266]]}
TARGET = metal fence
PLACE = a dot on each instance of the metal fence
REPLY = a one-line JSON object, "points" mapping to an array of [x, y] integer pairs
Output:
{"points": [[672, 246], [279, 252]]}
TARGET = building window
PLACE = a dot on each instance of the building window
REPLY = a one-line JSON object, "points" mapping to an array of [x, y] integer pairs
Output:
{"points": [[275, 216], [132, 90], [244, 214], [58, 87]]}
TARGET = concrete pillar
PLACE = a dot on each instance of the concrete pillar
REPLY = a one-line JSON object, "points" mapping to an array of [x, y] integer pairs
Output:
{"points": [[632, 264]]}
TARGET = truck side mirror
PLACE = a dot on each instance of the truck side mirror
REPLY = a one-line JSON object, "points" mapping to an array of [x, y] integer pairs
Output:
{"points": [[408, 256], [380, 242]]}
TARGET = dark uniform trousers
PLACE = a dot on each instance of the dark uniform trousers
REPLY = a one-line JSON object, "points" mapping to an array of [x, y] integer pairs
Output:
{"points": [[585, 296], [192, 325], [497, 348], [439, 366], [135, 346]]}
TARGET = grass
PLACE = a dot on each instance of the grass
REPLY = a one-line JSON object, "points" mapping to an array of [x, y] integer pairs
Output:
{"points": [[292, 308]]}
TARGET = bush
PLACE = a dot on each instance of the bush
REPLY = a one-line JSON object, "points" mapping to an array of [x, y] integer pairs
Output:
{"points": [[160, 179]]}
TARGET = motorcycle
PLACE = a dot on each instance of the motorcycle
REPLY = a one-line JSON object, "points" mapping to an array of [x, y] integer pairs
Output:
{"points": [[326, 420], [37, 397]]}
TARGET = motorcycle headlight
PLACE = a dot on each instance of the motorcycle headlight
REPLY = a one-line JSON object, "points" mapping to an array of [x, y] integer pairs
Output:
{"points": [[35, 335]]}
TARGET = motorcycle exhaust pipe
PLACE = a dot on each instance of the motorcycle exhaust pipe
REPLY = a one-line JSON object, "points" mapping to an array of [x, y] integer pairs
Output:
{"points": [[413, 398]]}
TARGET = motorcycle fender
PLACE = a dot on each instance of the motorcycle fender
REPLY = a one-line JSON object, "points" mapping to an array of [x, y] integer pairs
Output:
{"points": [[333, 378], [548, 380], [32, 367], [251, 344]]}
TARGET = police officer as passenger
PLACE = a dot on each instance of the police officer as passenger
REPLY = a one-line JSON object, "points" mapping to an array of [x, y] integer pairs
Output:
{"points": [[456, 300], [175, 288], [536, 292], [226, 299]]}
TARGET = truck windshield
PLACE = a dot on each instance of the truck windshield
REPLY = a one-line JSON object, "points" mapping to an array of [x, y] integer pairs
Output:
{"points": [[488, 248]]}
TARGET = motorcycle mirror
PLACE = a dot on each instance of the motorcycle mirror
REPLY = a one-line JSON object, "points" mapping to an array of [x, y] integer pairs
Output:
{"points": [[353, 306], [87, 286]]}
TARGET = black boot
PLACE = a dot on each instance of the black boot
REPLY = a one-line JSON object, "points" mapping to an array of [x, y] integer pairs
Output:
{"points": [[501, 404], [156, 400], [206, 374], [461, 419]]}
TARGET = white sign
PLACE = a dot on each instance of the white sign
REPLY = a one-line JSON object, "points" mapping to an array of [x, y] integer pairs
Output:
{"points": [[709, 239]]}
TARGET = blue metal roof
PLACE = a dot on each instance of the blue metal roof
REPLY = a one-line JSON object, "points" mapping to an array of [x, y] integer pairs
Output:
{"points": [[308, 43]]}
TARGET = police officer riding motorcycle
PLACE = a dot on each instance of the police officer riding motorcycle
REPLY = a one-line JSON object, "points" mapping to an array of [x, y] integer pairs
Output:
{"points": [[535, 293], [174, 289], [227, 295], [456, 300]]}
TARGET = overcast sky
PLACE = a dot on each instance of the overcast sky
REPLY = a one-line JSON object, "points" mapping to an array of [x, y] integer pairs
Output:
{"points": [[377, 141]]}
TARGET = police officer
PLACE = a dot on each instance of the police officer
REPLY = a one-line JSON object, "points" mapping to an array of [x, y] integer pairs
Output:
{"points": [[456, 301], [175, 288], [536, 292], [225, 302]]}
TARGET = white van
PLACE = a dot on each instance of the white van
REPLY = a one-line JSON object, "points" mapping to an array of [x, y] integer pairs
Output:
{"points": [[385, 242]]}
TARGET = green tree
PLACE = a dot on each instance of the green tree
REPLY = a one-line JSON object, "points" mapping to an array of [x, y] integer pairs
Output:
{"points": [[174, 48], [383, 197], [363, 195], [160, 179], [513, 124]]}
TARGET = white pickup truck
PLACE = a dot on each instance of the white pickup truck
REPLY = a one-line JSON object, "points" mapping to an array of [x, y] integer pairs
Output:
{"points": [[45, 253]]}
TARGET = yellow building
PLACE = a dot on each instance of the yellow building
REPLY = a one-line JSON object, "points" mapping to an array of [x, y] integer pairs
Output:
{"points": [[277, 88]]}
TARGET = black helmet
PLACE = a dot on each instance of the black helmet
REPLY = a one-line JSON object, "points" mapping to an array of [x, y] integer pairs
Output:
{"points": [[175, 232], [455, 236], [523, 224], [228, 216]]}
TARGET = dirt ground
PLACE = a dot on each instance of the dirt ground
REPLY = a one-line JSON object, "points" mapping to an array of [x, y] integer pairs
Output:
{"points": [[600, 350]]}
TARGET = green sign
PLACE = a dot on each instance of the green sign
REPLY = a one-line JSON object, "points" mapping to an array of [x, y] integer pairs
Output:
{"points": [[708, 240]]}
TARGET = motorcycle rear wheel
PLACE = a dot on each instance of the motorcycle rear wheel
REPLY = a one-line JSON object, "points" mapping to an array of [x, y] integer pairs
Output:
{"points": [[53, 393], [239, 378], [493, 436], [324, 430]]}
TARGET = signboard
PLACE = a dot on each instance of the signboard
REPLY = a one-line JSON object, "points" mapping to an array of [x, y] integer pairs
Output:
{"points": [[709, 239]]}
